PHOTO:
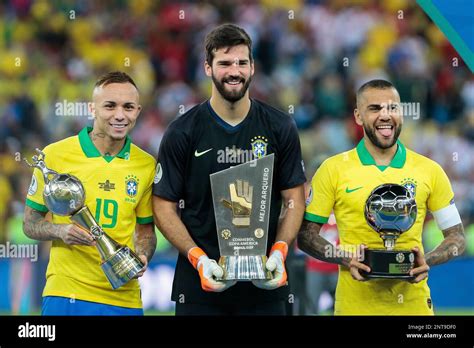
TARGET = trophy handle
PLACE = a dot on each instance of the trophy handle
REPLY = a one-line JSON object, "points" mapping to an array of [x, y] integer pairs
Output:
{"points": [[106, 245], [83, 218], [38, 162], [119, 263]]}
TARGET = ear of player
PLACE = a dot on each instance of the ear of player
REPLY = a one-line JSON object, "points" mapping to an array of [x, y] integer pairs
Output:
{"points": [[276, 265], [209, 271]]}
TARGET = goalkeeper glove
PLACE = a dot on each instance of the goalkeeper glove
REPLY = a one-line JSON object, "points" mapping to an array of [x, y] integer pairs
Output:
{"points": [[209, 271], [276, 265]]}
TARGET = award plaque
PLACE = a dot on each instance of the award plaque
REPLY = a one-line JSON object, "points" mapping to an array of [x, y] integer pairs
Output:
{"points": [[64, 195], [390, 210], [241, 197]]}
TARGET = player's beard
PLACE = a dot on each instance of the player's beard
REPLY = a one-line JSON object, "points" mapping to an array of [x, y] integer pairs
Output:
{"points": [[370, 131], [231, 96]]}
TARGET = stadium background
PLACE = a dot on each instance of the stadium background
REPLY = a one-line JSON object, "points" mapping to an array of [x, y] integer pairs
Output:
{"points": [[310, 56]]}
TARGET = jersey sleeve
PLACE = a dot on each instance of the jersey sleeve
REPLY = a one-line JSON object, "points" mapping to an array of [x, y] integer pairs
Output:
{"points": [[34, 198], [322, 195], [169, 176], [144, 210], [441, 194], [290, 170]]}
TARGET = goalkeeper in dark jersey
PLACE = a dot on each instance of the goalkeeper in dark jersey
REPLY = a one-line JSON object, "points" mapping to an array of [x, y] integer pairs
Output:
{"points": [[228, 129]]}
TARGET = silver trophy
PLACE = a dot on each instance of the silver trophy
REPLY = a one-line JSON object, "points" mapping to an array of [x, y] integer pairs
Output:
{"points": [[64, 195], [390, 210], [242, 196]]}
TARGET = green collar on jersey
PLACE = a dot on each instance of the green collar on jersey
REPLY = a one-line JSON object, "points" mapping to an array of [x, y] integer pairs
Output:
{"points": [[398, 161], [91, 151]]}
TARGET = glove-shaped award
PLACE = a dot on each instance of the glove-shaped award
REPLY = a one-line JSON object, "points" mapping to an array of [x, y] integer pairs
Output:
{"points": [[64, 195], [241, 197], [390, 210]]}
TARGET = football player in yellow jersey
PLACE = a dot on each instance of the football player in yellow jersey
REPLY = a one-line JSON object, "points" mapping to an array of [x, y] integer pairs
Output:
{"points": [[343, 183], [117, 177]]}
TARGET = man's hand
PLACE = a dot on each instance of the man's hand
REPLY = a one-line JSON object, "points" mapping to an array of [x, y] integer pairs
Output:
{"points": [[355, 266], [240, 202], [74, 235], [276, 265], [209, 271], [144, 259], [421, 269]]}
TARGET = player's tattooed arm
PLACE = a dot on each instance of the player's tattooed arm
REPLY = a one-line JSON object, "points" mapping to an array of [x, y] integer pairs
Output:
{"points": [[313, 244], [453, 245], [37, 227], [145, 240]]}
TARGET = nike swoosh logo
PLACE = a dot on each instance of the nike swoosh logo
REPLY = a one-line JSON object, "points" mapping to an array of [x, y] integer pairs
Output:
{"points": [[349, 190], [198, 154]]}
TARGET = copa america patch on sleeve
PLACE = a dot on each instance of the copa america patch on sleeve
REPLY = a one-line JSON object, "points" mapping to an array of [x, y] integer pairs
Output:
{"points": [[158, 174], [33, 186]]}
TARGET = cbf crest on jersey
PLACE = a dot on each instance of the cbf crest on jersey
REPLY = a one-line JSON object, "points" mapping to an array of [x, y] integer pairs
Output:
{"points": [[131, 185], [410, 184], [259, 146]]}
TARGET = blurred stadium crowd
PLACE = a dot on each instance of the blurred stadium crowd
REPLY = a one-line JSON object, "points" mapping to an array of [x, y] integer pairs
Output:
{"points": [[310, 57]]}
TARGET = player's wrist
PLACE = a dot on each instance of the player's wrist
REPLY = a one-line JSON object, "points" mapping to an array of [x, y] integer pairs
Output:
{"points": [[346, 262], [59, 231], [282, 247], [195, 254]]}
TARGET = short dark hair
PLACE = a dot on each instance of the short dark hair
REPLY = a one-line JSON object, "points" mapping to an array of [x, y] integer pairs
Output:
{"points": [[376, 84], [226, 35], [114, 77]]}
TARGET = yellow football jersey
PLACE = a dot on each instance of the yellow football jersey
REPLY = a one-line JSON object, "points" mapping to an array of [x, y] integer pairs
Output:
{"points": [[342, 184], [118, 194]]}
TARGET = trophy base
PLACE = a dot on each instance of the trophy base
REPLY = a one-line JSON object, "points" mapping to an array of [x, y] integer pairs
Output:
{"points": [[389, 264], [121, 267], [244, 267]]}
